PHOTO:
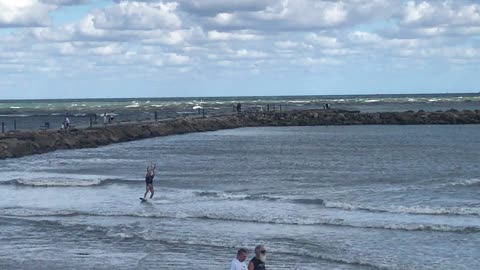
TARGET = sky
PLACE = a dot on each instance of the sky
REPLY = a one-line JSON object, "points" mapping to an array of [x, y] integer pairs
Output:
{"points": [[172, 48]]}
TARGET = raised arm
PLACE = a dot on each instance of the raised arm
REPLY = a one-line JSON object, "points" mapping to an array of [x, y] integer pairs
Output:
{"points": [[153, 170]]}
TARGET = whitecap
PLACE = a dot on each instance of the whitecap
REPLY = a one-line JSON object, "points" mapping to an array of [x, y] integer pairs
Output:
{"points": [[416, 210]]}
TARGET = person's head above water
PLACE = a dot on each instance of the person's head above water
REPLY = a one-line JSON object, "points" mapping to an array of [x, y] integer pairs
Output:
{"points": [[261, 252]]}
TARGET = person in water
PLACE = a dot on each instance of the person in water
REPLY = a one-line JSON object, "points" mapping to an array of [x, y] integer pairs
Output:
{"points": [[149, 180], [258, 262]]}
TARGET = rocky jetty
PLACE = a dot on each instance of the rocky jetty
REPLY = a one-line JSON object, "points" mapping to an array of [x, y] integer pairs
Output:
{"points": [[18, 144]]}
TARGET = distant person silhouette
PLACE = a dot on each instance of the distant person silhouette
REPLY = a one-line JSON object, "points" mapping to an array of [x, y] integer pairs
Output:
{"points": [[66, 122], [105, 119], [149, 180]]}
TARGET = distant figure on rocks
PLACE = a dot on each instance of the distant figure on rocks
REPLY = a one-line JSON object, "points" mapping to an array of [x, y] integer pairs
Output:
{"points": [[66, 123], [110, 118], [326, 106], [149, 180], [105, 119], [239, 107], [258, 262], [239, 262]]}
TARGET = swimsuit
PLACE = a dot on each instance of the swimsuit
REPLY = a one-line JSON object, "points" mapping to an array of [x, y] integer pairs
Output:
{"points": [[149, 180]]}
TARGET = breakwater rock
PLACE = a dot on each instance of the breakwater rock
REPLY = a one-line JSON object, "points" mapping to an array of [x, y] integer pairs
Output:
{"points": [[17, 144]]}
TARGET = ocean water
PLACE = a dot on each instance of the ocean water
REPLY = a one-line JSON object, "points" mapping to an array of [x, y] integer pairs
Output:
{"points": [[31, 114], [352, 197]]}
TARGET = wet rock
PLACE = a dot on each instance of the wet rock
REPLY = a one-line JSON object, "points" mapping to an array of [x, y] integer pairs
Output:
{"points": [[27, 143]]}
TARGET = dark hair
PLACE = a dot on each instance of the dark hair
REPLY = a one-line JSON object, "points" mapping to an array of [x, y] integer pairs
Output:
{"points": [[242, 250]]}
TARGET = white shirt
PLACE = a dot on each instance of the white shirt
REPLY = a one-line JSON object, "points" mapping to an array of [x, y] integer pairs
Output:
{"points": [[237, 265]]}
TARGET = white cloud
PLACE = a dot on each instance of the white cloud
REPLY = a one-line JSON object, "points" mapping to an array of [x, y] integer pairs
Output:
{"points": [[215, 6], [87, 27], [304, 14], [109, 49], [441, 13], [223, 36], [228, 36], [172, 37], [177, 59], [287, 44], [323, 41], [339, 52], [138, 16], [415, 13], [245, 54], [65, 2], [224, 19], [365, 37], [309, 61], [453, 52], [24, 13], [66, 48]]}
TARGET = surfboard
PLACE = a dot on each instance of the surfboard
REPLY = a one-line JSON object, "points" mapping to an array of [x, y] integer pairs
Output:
{"points": [[143, 200]]}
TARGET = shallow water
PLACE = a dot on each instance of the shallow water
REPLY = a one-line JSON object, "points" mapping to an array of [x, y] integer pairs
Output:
{"points": [[355, 197]]}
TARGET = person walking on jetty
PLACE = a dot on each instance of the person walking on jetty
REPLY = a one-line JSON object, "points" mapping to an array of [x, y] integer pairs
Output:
{"points": [[149, 180], [66, 122], [105, 119], [258, 262], [238, 263], [111, 116]]}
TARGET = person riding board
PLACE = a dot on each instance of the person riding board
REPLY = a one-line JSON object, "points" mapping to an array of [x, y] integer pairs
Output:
{"points": [[149, 180]]}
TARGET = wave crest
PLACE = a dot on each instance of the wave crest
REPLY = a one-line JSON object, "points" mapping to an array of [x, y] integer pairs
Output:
{"points": [[465, 183], [65, 182], [285, 220], [414, 210]]}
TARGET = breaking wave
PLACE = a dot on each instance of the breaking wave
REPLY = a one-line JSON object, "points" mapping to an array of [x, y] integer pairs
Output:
{"points": [[416, 210], [353, 224], [65, 182], [464, 183], [223, 195], [283, 220], [413, 210], [132, 232]]}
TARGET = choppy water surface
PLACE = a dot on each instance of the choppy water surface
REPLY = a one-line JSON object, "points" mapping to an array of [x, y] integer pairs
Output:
{"points": [[31, 114], [360, 197]]}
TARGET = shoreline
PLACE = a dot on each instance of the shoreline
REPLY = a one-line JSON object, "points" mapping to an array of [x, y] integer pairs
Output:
{"points": [[25, 143]]}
